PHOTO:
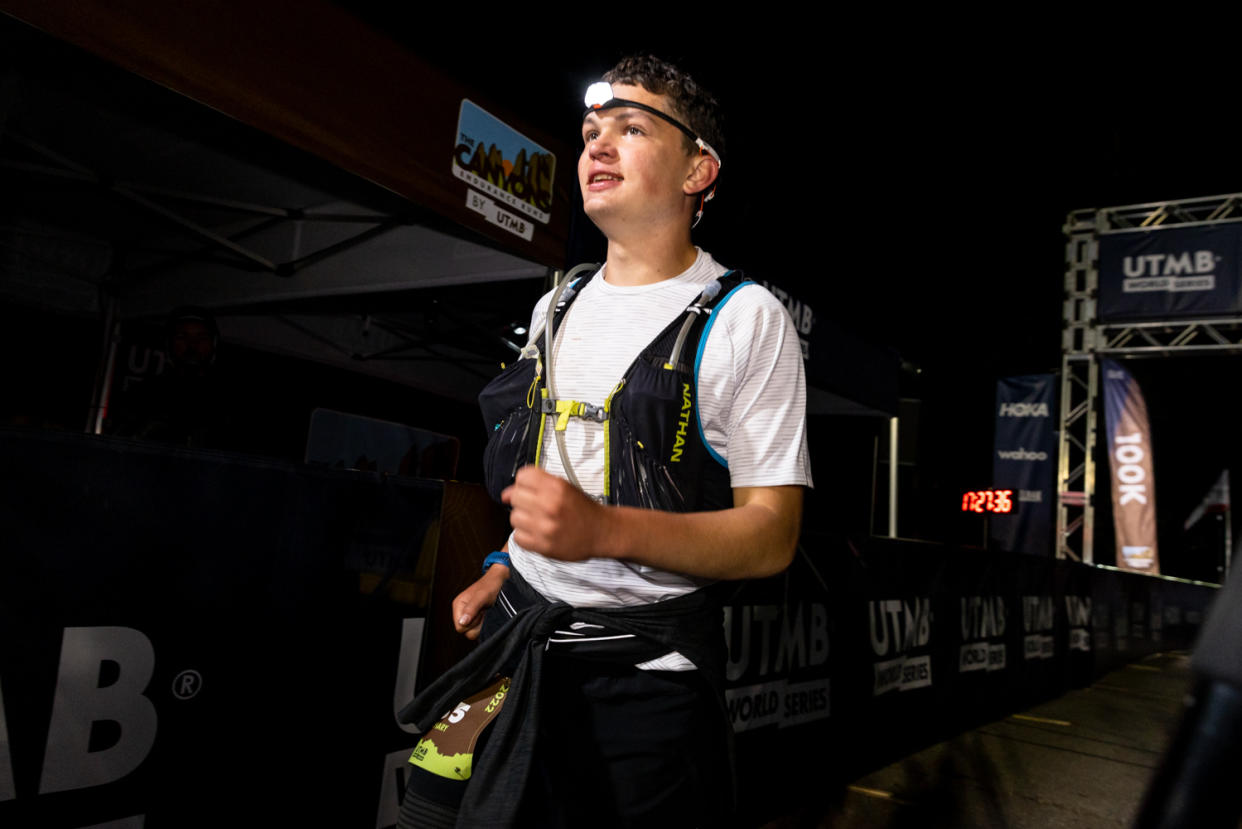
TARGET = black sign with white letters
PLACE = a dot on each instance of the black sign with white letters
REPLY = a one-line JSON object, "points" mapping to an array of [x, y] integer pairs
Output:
{"points": [[1171, 273], [1024, 458]]}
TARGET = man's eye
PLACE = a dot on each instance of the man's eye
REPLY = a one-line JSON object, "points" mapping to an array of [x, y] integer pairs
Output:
{"points": [[589, 136], [633, 130]]}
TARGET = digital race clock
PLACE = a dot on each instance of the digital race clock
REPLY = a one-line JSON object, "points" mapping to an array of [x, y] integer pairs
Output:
{"points": [[988, 500]]}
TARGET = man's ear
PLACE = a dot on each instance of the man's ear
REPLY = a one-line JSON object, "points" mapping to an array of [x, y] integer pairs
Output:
{"points": [[702, 175]]}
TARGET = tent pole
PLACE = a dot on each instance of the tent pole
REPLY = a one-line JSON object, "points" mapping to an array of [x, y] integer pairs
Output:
{"points": [[892, 477], [1228, 527], [553, 278], [8, 94], [875, 479], [103, 377]]}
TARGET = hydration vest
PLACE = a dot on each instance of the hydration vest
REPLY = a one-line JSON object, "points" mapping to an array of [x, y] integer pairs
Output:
{"points": [[655, 453]]}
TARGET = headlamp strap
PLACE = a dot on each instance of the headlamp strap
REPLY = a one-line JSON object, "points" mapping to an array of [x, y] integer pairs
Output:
{"points": [[599, 96]]}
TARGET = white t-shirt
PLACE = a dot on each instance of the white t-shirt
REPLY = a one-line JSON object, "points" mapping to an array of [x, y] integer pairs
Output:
{"points": [[751, 401]]}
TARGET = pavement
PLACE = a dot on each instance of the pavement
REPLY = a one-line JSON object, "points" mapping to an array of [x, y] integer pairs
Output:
{"points": [[1081, 760]]}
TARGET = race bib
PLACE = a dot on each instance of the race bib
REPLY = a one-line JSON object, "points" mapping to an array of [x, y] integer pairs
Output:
{"points": [[447, 749]]}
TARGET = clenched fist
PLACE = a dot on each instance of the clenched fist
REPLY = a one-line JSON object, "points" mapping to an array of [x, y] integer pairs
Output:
{"points": [[552, 517]]}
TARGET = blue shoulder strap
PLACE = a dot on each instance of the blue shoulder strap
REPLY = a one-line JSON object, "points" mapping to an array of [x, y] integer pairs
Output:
{"points": [[698, 356]]}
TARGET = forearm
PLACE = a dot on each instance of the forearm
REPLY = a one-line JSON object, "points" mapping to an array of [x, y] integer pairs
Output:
{"points": [[473, 602], [755, 538], [496, 574]]}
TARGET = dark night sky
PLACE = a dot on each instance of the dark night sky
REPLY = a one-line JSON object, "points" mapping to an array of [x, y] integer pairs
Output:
{"points": [[910, 183], [913, 190]]}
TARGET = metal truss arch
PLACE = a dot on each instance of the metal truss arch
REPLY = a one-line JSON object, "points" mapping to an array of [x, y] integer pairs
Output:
{"points": [[1086, 339]]}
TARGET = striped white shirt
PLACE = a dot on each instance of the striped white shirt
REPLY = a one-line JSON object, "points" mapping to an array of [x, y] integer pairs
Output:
{"points": [[751, 404]]}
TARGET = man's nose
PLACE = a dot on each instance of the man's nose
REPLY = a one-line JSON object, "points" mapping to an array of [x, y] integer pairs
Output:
{"points": [[602, 145]]}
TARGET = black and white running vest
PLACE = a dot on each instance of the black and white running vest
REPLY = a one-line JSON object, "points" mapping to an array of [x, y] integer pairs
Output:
{"points": [[656, 456]]}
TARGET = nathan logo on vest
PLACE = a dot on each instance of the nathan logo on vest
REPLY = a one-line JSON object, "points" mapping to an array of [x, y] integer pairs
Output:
{"points": [[683, 423]]}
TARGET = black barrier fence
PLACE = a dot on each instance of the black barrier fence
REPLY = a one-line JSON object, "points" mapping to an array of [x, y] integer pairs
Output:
{"points": [[865, 654], [191, 638]]}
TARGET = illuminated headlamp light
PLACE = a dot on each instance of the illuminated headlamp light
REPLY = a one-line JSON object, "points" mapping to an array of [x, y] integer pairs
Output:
{"points": [[599, 96]]}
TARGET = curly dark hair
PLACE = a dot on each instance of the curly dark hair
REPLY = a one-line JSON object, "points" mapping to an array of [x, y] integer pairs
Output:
{"points": [[694, 105]]}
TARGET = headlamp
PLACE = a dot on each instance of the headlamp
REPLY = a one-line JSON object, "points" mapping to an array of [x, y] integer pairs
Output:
{"points": [[599, 96]]}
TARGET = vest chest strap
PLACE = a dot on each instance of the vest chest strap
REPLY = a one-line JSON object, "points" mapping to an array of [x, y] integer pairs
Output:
{"points": [[565, 409]]}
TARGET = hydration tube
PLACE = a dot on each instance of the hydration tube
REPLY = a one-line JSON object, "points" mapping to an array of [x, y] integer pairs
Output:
{"points": [[563, 289], [562, 293], [709, 293], [531, 349]]}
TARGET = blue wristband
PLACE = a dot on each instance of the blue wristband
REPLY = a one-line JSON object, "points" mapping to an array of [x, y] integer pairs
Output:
{"points": [[496, 558]]}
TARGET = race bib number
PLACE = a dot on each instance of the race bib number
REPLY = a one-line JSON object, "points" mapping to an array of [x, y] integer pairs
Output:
{"points": [[447, 749]]}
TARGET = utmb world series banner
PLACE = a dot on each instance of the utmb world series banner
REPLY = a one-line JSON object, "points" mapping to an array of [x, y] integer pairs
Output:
{"points": [[1172, 272], [1129, 459]]}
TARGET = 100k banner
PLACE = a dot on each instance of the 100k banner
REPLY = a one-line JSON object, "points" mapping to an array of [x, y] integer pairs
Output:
{"points": [[1130, 462]]}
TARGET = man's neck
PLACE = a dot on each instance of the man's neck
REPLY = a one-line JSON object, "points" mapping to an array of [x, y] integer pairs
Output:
{"points": [[648, 263]]}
